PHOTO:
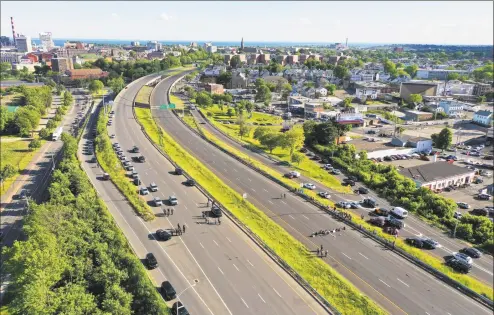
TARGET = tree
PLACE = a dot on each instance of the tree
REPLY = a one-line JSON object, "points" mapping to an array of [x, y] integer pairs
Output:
{"points": [[5, 118], [67, 98], [453, 76], [249, 107], [34, 144], [347, 102], [270, 140], [51, 124], [341, 72], [116, 84], [59, 89], [44, 133], [96, 86], [292, 139], [286, 89], [297, 158], [244, 130], [325, 133], [263, 94], [204, 99], [331, 88], [412, 70], [390, 67], [415, 98], [260, 132], [235, 61], [399, 129], [8, 171], [481, 99], [444, 139], [227, 98], [230, 112], [224, 78], [309, 128]]}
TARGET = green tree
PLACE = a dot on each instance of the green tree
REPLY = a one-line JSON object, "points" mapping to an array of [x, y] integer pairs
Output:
{"points": [[286, 89], [331, 88], [44, 133], [293, 139], [263, 95], [235, 61], [341, 72], [390, 67], [96, 86], [5, 118], [116, 84], [481, 99], [8, 171], [224, 78], [204, 99], [412, 70], [347, 102], [453, 76], [297, 158], [230, 112], [51, 124], [270, 140], [34, 144], [260, 132], [59, 89], [444, 139], [67, 99], [415, 98], [244, 130]]}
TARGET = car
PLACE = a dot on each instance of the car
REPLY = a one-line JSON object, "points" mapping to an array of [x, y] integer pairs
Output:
{"points": [[480, 212], [143, 191], [151, 261], [381, 212], [430, 243], [106, 176], [363, 190], [348, 182], [139, 158], [178, 171], [93, 160], [112, 136], [415, 242], [459, 265], [370, 202], [135, 149], [324, 194], [134, 174], [179, 309], [172, 200], [463, 205], [123, 158], [354, 178], [163, 235], [116, 145], [303, 150], [137, 181], [23, 194], [167, 291], [216, 211], [399, 212], [327, 166], [395, 222], [153, 187], [292, 174], [343, 204], [130, 168], [190, 182], [309, 186], [484, 197], [378, 221], [463, 257], [336, 171], [457, 215], [157, 201], [472, 252]]}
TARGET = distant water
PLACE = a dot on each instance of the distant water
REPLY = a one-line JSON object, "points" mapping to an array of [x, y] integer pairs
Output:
{"points": [[61, 41]]}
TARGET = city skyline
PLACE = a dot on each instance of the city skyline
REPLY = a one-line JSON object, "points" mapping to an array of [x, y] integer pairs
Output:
{"points": [[464, 23]]}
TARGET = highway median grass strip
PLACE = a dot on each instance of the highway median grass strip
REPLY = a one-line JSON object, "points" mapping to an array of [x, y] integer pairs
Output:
{"points": [[111, 164], [331, 285], [143, 95]]}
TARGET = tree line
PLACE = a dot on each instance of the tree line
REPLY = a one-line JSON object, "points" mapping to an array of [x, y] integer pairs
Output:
{"points": [[75, 260]]}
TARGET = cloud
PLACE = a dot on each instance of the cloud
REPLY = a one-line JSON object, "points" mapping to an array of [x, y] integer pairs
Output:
{"points": [[115, 15], [305, 21], [165, 17]]}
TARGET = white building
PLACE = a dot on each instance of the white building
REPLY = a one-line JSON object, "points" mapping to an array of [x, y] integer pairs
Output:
{"points": [[451, 107], [370, 90], [212, 49], [457, 87], [28, 65], [46, 41], [214, 72], [23, 43], [437, 74], [439, 175], [321, 92], [10, 57], [483, 117]]}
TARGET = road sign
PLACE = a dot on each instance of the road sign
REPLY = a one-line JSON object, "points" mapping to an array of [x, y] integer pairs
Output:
{"points": [[168, 106]]}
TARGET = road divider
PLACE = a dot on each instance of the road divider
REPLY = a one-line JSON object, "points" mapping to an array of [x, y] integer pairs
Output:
{"points": [[317, 277]]}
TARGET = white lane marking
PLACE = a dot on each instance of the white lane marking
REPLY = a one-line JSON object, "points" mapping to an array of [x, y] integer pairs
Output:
{"points": [[291, 216], [236, 267], [201, 244], [427, 313], [265, 190], [225, 170], [249, 179], [235, 170], [250, 263], [186, 207], [346, 255], [363, 255], [305, 217], [402, 282], [221, 271], [385, 283], [216, 243], [253, 189], [270, 201], [261, 297], [228, 240], [245, 303], [283, 202], [277, 292]]}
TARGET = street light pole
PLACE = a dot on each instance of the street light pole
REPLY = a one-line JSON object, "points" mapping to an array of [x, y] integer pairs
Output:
{"points": [[456, 225], [178, 295]]}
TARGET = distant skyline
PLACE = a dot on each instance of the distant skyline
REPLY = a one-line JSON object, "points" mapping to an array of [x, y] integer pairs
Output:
{"points": [[412, 22]]}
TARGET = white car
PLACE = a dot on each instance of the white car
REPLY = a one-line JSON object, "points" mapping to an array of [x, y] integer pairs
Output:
{"points": [[294, 174], [327, 166], [309, 186], [324, 194], [463, 257]]}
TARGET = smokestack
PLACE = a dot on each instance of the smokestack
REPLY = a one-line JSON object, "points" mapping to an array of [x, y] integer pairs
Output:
{"points": [[13, 29], [346, 43]]}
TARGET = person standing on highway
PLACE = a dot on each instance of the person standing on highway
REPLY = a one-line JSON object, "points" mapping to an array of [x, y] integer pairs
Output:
{"points": [[321, 248], [178, 226], [184, 227], [168, 212], [326, 253], [318, 252], [172, 211]]}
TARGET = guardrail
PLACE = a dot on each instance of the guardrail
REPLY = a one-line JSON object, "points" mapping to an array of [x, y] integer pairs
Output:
{"points": [[339, 215], [302, 282]]}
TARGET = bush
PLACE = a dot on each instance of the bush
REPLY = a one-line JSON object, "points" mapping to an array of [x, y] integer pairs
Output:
{"points": [[57, 118], [44, 133], [35, 144]]}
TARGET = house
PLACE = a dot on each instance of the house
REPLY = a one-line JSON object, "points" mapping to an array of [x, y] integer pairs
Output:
{"points": [[370, 90], [86, 74], [238, 81], [214, 71], [415, 115], [438, 175], [455, 87], [214, 88], [424, 88], [483, 117], [400, 141], [420, 144], [452, 107]]}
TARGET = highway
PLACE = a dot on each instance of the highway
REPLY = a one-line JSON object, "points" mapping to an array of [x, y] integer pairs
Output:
{"points": [[221, 270], [482, 267], [396, 284]]}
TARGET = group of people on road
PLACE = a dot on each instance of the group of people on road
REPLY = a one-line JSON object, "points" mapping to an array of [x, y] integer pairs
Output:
{"points": [[327, 232], [321, 252], [168, 212], [180, 231], [208, 221]]}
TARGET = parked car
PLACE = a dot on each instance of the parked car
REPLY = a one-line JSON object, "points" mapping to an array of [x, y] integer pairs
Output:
{"points": [[106, 176], [135, 149], [395, 222], [216, 211], [343, 204], [324, 194], [336, 171], [399, 212], [151, 261], [309, 186], [153, 187], [179, 309], [190, 182], [472, 252], [172, 200], [459, 265], [381, 212], [178, 171], [139, 158], [378, 221], [415, 242], [327, 166], [167, 291], [348, 182], [430, 243], [484, 197], [292, 174], [370, 202], [463, 205], [163, 235], [463, 257], [157, 201], [363, 190], [457, 215], [144, 191], [480, 212]]}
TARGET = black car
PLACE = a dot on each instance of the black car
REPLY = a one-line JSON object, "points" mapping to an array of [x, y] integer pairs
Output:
{"points": [[369, 202], [151, 261], [472, 252], [179, 171], [190, 182], [429, 243], [416, 242], [348, 182], [135, 149], [139, 158], [93, 160], [163, 235], [167, 291], [179, 308], [137, 181], [363, 190], [354, 178], [216, 211], [480, 212], [459, 265]]}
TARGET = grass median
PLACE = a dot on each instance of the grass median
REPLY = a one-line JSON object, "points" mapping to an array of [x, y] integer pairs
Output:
{"points": [[111, 164], [331, 285]]}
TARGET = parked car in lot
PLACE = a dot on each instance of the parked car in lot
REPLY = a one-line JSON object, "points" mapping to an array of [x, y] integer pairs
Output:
{"points": [[399, 212], [163, 235], [190, 182], [216, 211], [472, 252], [381, 212], [363, 190], [309, 186], [484, 197], [343, 204], [178, 171], [348, 182], [324, 194], [336, 171], [134, 149], [327, 166], [395, 222], [463, 205], [370, 202], [292, 174], [179, 309], [378, 221], [457, 215], [172, 200], [143, 191], [480, 212], [415, 242], [151, 261], [430, 243]]}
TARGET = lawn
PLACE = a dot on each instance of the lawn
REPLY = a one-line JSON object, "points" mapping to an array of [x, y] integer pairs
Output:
{"points": [[177, 101], [13, 99], [220, 114], [143, 95], [88, 57], [330, 284], [17, 154]]}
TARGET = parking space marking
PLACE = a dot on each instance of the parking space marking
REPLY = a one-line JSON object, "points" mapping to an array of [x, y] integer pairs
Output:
{"points": [[291, 216], [250, 263], [277, 292], [305, 217], [221, 271], [201, 244], [245, 303], [228, 240], [261, 298]]}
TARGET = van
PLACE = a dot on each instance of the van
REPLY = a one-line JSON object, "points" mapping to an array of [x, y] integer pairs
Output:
{"points": [[399, 212], [167, 291]]}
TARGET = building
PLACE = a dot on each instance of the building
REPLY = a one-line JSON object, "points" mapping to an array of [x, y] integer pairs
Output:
{"points": [[313, 109], [156, 55], [437, 74], [452, 107], [214, 88], [24, 44], [5, 41], [211, 49], [133, 44], [423, 88], [481, 88], [420, 144], [365, 90], [264, 58], [46, 40], [354, 119], [10, 57], [238, 81], [415, 115], [86, 73], [438, 175], [456, 87], [483, 117], [60, 64], [292, 59]]}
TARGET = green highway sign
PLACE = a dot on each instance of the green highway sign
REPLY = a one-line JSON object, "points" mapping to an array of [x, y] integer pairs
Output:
{"points": [[168, 106]]}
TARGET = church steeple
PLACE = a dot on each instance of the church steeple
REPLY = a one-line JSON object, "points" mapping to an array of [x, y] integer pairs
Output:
{"points": [[242, 44]]}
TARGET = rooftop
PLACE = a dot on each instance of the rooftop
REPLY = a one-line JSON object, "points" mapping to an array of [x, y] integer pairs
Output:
{"points": [[434, 171], [484, 113], [370, 84]]}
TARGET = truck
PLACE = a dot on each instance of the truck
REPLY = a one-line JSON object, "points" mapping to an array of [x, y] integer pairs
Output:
{"points": [[56, 134]]}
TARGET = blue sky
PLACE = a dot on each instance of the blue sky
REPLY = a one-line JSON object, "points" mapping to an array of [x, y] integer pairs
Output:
{"points": [[442, 22]]}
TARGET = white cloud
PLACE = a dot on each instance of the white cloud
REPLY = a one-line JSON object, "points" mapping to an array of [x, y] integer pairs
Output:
{"points": [[115, 15], [305, 21], [165, 17]]}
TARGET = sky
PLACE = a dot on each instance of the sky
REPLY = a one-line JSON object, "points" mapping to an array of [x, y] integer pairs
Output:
{"points": [[442, 22]]}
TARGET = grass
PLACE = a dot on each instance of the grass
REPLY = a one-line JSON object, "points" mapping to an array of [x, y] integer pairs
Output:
{"points": [[4, 310], [14, 99], [110, 163], [88, 57], [307, 167], [18, 154], [177, 101], [218, 114], [331, 285], [143, 95], [387, 115]]}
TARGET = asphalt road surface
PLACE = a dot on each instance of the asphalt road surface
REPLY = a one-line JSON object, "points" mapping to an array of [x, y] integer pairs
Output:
{"points": [[398, 285], [230, 274], [482, 267]]}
